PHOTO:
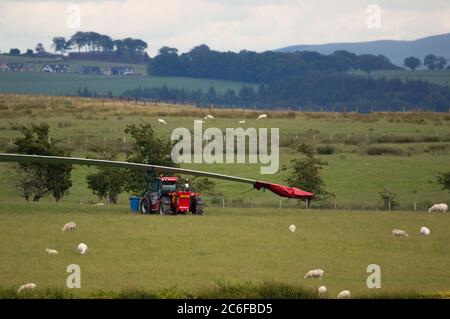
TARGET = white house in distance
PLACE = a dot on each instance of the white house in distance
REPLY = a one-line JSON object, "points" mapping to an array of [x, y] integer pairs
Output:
{"points": [[55, 68]]}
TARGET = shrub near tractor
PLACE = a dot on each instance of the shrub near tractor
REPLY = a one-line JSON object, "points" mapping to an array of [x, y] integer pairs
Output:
{"points": [[164, 198]]}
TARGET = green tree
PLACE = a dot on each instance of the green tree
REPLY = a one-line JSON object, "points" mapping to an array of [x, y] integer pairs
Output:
{"points": [[430, 61], [444, 180], [147, 148], [60, 44], [306, 172], [42, 179], [14, 51], [203, 185], [412, 62], [388, 199], [107, 183], [441, 62], [40, 48]]}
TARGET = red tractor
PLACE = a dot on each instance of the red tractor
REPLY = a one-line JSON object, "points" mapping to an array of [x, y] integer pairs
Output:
{"points": [[164, 198]]}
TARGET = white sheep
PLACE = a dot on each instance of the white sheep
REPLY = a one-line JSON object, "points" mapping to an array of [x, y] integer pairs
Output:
{"points": [[438, 208], [262, 117], [209, 117], [82, 248], [29, 286], [399, 233], [242, 122], [51, 251], [322, 290], [316, 273], [344, 294], [425, 231], [69, 226], [292, 228], [161, 121]]}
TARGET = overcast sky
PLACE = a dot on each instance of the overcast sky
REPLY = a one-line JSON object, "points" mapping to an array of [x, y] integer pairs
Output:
{"points": [[223, 25]]}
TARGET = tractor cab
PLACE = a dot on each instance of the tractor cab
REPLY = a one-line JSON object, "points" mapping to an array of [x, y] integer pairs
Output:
{"points": [[164, 185], [165, 198]]}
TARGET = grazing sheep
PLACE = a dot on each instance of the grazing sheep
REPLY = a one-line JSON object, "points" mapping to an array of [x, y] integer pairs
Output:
{"points": [[209, 117], [292, 228], [344, 294], [242, 122], [425, 231], [399, 233], [316, 273], [262, 117], [82, 248], [29, 286], [161, 121], [438, 208], [69, 226], [51, 251], [322, 290]]}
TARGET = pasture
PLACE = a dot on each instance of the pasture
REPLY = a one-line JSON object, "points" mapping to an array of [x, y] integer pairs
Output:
{"points": [[192, 255], [236, 251], [69, 84]]}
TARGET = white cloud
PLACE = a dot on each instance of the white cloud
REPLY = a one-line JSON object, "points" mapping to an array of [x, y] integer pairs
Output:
{"points": [[224, 25]]}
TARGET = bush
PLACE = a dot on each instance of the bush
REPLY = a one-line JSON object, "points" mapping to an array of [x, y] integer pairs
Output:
{"points": [[384, 150], [325, 149]]}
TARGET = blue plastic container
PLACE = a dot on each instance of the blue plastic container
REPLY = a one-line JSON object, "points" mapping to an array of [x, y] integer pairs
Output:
{"points": [[134, 204]]}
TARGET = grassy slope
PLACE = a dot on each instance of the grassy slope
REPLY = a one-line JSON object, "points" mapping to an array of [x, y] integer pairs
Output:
{"points": [[354, 177]]}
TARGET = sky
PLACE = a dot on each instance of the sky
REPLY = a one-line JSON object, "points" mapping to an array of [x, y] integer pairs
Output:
{"points": [[234, 25]]}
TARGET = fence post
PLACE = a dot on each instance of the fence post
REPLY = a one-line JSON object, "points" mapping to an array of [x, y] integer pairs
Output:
{"points": [[389, 204], [335, 205], [279, 203], [223, 202]]}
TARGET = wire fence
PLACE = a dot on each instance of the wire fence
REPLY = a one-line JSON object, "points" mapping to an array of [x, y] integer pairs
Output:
{"points": [[223, 202]]}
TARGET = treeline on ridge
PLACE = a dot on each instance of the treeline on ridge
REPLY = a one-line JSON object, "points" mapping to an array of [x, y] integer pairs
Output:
{"points": [[315, 90]]}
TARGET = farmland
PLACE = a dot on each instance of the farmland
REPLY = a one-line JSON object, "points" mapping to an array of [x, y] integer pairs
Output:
{"points": [[235, 244], [68, 84]]}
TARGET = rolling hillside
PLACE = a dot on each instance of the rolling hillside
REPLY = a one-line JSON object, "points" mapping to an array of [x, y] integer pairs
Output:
{"points": [[68, 84], [395, 50]]}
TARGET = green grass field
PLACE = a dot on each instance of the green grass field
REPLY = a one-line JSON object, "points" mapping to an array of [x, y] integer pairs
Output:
{"points": [[134, 252], [68, 84], [190, 256]]}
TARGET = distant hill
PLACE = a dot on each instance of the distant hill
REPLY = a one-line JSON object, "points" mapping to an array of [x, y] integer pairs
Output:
{"points": [[396, 51]]}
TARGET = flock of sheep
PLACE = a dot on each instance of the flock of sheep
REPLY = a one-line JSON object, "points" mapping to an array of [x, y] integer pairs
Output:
{"points": [[210, 117], [318, 274], [312, 274], [345, 294], [82, 249]]}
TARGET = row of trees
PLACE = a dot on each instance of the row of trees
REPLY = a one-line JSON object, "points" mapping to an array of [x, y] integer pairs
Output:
{"points": [[96, 42], [37, 180], [29, 52], [431, 61], [314, 89], [248, 66]]}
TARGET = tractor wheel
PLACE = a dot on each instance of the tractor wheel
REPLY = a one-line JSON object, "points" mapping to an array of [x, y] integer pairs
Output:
{"points": [[164, 209], [144, 206], [198, 207]]}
